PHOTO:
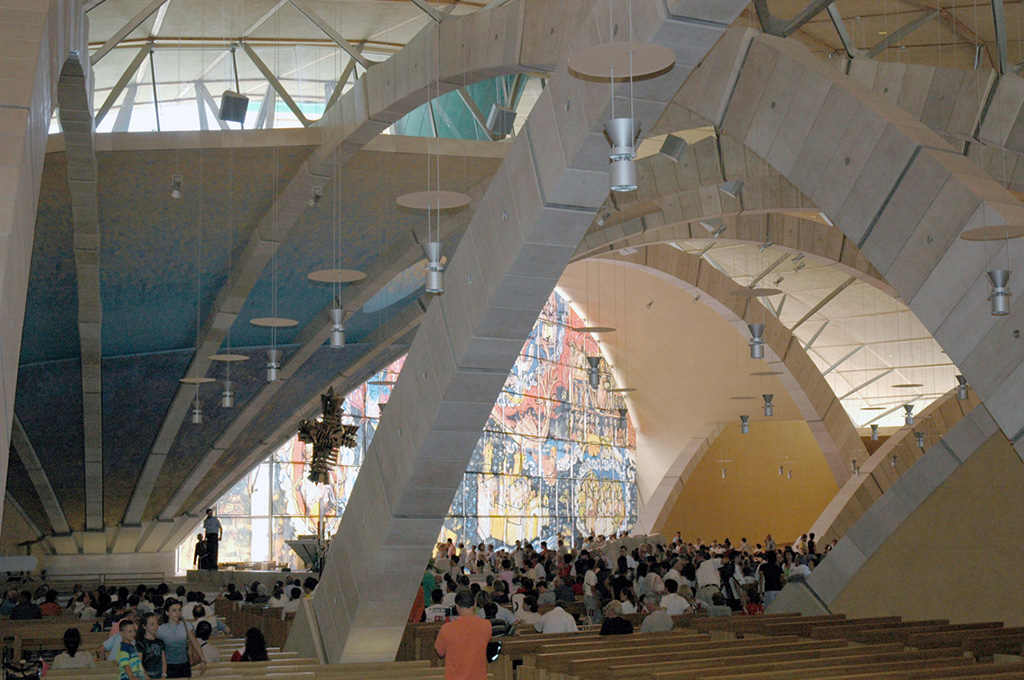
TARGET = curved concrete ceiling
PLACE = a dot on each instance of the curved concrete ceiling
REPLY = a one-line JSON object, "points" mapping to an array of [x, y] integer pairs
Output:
{"points": [[686, 360]]}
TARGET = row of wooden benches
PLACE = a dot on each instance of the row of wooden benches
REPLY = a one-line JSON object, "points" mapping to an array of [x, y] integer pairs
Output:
{"points": [[767, 648], [300, 669]]}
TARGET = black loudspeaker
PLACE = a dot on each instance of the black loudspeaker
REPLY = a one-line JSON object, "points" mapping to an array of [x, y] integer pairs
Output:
{"points": [[233, 106]]}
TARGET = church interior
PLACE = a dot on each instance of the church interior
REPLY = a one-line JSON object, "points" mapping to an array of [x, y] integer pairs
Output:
{"points": [[607, 272]]}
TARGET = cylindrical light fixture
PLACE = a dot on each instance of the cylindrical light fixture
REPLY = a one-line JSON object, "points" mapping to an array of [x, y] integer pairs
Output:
{"points": [[744, 424], [176, 186], [908, 418], [594, 373], [920, 439], [273, 364], [314, 200], [853, 466], [621, 133], [874, 432], [337, 327], [781, 471], [435, 270], [197, 411], [961, 388], [227, 397], [756, 340], [789, 474], [769, 409], [1000, 295], [623, 175], [725, 473], [892, 460], [623, 421]]}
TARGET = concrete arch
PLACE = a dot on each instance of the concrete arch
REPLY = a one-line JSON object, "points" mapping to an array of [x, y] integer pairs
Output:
{"points": [[818, 405], [888, 463], [522, 236], [675, 198], [50, 37], [477, 46], [903, 196], [891, 185]]}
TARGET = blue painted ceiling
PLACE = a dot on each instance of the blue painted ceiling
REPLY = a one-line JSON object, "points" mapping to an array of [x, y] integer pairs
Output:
{"points": [[149, 284]]}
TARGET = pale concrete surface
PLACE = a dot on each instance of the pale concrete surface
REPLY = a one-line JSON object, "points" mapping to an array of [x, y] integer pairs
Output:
{"points": [[49, 33], [469, 340]]}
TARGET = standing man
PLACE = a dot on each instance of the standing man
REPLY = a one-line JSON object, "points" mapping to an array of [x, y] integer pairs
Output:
{"points": [[462, 642], [214, 532]]}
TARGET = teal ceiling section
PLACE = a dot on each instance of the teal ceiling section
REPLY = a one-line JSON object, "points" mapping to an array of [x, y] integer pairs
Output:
{"points": [[452, 116]]}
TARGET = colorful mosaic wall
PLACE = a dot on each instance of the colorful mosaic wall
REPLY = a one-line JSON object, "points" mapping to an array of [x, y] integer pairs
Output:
{"points": [[553, 459]]}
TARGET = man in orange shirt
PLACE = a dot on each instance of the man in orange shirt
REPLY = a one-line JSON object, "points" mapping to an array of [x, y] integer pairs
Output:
{"points": [[462, 642]]}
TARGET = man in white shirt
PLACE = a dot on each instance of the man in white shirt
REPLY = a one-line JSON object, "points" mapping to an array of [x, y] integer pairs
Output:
{"points": [[708, 579], [672, 602], [292, 605], [436, 611], [556, 621], [675, 573], [449, 596], [658, 620]]}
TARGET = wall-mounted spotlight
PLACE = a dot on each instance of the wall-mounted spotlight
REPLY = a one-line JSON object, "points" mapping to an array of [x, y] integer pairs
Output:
{"points": [[961, 388]]}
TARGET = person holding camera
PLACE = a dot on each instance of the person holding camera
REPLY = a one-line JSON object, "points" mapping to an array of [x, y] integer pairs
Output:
{"points": [[462, 642]]}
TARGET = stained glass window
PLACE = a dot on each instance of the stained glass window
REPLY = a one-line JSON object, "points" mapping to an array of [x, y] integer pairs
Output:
{"points": [[554, 458]]}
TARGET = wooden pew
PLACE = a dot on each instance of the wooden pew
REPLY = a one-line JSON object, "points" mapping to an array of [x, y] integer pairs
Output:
{"points": [[856, 626], [844, 659], [307, 668], [925, 640], [902, 633], [829, 669], [988, 645], [639, 666], [966, 671]]}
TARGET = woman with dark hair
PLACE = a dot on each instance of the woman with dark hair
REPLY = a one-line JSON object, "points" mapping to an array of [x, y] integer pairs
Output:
{"points": [[72, 656], [178, 635], [255, 647]]}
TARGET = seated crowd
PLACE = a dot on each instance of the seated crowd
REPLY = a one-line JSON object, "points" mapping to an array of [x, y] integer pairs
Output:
{"points": [[152, 631], [659, 581]]}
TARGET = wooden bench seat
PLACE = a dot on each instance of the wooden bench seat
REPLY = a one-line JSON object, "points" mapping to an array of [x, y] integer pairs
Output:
{"points": [[902, 633], [988, 671], [763, 653], [925, 640], [849, 630], [803, 670], [1012, 643], [798, 666], [304, 668]]}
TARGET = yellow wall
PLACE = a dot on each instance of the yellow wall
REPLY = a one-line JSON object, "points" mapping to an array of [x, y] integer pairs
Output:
{"points": [[958, 555], [14, 531], [753, 500]]}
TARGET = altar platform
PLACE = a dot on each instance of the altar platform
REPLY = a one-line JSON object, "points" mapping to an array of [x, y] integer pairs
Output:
{"points": [[215, 580]]}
